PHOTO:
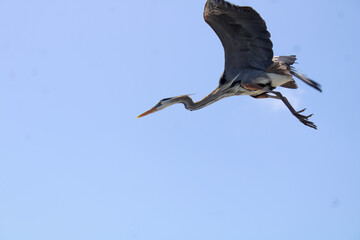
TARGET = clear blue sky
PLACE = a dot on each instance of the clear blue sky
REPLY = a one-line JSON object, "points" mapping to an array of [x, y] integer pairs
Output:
{"points": [[75, 163]]}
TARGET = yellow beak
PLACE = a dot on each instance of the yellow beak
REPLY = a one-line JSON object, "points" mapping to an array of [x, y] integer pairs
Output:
{"points": [[147, 112]]}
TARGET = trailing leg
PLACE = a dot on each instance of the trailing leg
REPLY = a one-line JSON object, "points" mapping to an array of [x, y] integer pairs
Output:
{"points": [[302, 118]]}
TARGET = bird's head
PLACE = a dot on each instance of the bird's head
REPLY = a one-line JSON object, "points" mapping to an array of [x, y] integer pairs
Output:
{"points": [[166, 102]]}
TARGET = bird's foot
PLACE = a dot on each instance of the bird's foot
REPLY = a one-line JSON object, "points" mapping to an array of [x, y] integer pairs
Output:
{"points": [[305, 119]]}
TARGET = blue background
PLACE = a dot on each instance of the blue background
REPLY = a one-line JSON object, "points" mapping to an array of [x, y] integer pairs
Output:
{"points": [[75, 163]]}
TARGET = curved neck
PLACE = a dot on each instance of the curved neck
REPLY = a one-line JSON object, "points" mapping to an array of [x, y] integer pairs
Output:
{"points": [[191, 105], [222, 91]]}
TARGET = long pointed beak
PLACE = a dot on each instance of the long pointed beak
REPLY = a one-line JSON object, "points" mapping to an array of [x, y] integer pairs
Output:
{"points": [[147, 112]]}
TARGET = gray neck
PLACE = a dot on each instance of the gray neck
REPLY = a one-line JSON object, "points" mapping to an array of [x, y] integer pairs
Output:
{"points": [[191, 105]]}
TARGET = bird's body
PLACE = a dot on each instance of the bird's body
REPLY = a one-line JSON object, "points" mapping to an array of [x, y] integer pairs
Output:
{"points": [[250, 67]]}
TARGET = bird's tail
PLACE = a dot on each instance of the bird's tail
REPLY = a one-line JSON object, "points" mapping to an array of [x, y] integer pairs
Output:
{"points": [[282, 65], [305, 79]]}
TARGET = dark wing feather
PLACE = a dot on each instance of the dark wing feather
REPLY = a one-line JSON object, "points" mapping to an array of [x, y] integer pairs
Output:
{"points": [[243, 34]]}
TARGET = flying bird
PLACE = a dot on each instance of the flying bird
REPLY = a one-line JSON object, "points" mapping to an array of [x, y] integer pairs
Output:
{"points": [[250, 66]]}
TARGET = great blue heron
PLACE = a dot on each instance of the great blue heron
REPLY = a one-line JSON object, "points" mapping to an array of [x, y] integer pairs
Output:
{"points": [[250, 67]]}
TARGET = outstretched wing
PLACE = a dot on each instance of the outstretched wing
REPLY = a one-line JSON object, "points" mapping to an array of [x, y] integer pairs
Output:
{"points": [[243, 34]]}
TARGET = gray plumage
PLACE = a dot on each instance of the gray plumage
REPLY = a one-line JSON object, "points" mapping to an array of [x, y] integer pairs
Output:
{"points": [[243, 34], [250, 67]]}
